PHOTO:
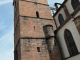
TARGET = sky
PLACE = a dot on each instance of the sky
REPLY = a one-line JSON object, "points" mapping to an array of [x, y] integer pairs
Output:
{"points": [[7, 28]]}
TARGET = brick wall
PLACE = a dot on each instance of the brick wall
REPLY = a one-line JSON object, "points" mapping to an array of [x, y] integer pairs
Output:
{"points": [[27, 26], [30, 9], [29, 49], [38, 1]]}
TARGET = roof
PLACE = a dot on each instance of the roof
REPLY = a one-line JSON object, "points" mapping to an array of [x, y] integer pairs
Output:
{"points": [[60, 8]]}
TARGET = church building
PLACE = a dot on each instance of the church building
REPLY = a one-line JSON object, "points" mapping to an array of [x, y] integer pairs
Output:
{"points": [[67, 20]]}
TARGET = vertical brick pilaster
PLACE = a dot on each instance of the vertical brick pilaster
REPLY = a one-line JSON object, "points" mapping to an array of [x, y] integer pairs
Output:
{"points": [[77, 23], [66, 11]]}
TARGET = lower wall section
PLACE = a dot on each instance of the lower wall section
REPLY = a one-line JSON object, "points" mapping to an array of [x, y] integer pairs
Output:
{"points": [[37, 49], [34, 49], [77, 57], [53, 49]]}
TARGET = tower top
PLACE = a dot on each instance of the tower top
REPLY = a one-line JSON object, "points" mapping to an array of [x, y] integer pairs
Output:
{"points": [[34, 1]]}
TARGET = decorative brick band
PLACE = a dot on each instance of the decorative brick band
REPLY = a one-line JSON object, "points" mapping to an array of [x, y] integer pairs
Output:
{"points": [[33, 38], [36, 37], [35, 17]]}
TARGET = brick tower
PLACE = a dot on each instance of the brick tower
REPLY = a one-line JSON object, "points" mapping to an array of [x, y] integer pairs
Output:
{"points": [[33, 31]]}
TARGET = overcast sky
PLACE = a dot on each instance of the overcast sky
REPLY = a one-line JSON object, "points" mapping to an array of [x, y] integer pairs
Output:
{"points": [[7, 28]]}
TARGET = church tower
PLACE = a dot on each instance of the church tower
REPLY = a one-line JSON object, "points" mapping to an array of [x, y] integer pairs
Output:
{"points": [[33, 31]]}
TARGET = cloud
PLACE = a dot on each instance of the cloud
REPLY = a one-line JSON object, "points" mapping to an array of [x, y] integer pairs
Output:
{"points": [[8, 55], [6, 45], [5, 1], [6, 38], [2, 26]]}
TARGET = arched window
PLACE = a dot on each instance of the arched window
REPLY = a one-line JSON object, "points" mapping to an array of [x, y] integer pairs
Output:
{"points": [[37, 14], [70, 43], [61, 19], [75, 4]]}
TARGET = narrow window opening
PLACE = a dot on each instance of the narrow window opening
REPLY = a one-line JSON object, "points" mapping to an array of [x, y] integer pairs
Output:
{"points": [[28, 40], [37, 14], [38, 49], [36, 3], [55, 43], [34, 27], [49, 51], [15, 3]]}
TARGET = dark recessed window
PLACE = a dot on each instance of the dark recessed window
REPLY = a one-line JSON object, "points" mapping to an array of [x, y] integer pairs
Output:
{"points": [[70, 43], [36, 3], [15, 3], [37, 14], [34, 27], [49, 51], [28, 40], [55, 42], [38, 49], [61, 19], [75, 4]]}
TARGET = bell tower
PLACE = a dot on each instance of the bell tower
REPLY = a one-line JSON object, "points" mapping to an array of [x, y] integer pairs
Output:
{"points": [[33, 31]]}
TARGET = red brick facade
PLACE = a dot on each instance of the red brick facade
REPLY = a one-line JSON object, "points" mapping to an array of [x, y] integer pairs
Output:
{"points": [[66, 11], [77, 23], [30, 40]]}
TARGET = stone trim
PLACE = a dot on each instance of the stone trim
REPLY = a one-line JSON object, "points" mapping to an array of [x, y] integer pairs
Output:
{"points": [[32, 38], [36, 37], [35, 17]]}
